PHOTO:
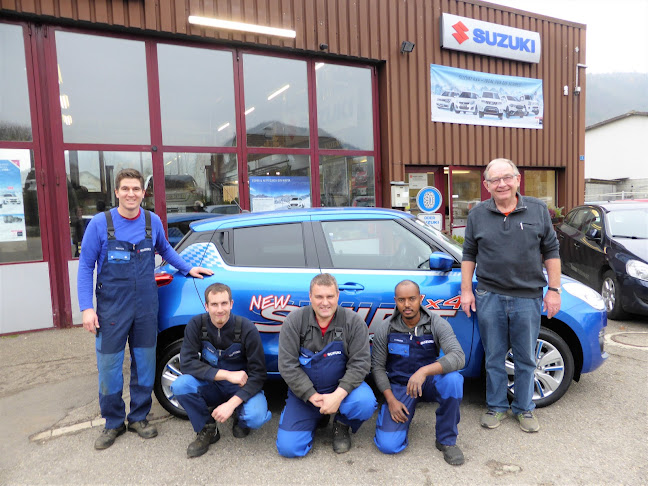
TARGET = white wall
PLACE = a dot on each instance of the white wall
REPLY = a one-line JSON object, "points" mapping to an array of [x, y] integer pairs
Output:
{"points": [[25, 297], [617, 150]]}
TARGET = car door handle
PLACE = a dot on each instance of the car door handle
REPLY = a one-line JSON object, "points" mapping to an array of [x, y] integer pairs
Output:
{"points": [[351, 287], [577, 245]]}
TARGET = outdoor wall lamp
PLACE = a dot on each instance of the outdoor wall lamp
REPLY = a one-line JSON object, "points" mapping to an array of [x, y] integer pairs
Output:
{"points": [[239, 26], [406, 47]]}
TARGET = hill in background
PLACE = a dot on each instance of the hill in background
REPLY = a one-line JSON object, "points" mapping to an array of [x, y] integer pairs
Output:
{"points": [[613, 94]]}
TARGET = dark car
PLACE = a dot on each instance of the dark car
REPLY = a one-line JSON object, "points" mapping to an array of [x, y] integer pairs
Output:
{"points": [[605, 246], [269, 259]]}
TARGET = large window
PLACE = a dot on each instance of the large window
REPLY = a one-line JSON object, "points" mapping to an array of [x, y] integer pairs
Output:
{"points": [[279, 181], [347, 181], [276, 102], [541, 184], [344, 107], [196, 96], [103, 89], [15, 118], [90, 185]]}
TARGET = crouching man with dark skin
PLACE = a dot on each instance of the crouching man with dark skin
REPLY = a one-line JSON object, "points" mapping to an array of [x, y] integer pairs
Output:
{"points": [[324, 358], [224, 366], [407, 369]]}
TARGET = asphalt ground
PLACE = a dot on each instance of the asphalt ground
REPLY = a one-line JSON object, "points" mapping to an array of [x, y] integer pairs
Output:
{"points": [[596, 434]]}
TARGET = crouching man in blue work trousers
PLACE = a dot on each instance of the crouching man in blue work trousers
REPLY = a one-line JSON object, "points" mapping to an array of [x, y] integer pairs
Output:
{"points": [[122, 243], [324, 358], [224, 366], [407, 369]]}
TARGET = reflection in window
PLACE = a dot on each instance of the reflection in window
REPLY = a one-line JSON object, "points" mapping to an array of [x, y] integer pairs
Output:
{"points": [[375, 245], [102, 89], [15, 119], [196, 96], [466, 193], [347, 181], [344, 107], [283, 246], [20, 235], [200, 183], [90, 184], [276, 102], [279, 181], [541, 184]]}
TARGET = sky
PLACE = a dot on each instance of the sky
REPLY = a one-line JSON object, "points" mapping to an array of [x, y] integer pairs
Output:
{"points": [[617, 37]]}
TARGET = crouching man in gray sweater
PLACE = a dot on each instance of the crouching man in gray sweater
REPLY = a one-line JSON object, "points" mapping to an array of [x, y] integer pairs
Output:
{"points": [[407, 368]]}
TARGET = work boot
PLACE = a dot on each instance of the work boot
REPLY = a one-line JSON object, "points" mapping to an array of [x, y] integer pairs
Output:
{"points": [[492, 419], [451, 453], [238, 431], [323, 422], [143, 429], [341, 437], [108, 436], [207, 436]]}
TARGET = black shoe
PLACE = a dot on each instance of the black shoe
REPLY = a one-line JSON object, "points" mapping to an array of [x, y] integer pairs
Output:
{"points": [[323, 422], [108, 436], [238, 431], [451, 453], [341, 437], [143, 429], [207, 436]]}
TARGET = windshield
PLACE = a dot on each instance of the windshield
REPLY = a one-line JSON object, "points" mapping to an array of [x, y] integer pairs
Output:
{"points": [[488, 94], [628, 223]]}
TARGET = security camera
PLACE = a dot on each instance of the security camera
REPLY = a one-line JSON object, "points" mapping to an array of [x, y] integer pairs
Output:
{"points": [[323, 47], [577, 90]]}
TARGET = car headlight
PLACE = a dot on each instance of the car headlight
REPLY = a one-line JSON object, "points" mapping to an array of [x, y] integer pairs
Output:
{"points": [[637, 269], [590, 296]]}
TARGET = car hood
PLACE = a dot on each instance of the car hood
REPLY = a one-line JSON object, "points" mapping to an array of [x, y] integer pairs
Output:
{"points": [[637, 247]]}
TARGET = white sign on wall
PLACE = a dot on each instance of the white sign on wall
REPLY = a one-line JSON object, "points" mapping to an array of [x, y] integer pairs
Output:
{"points": [[470, 35]]}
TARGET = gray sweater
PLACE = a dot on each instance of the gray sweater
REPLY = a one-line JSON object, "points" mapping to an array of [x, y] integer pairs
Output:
{"points": [[356, 347], [509, 250], [443, 335]]}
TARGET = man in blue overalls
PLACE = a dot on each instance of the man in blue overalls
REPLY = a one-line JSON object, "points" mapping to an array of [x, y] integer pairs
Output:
{"points": [[224, 366], [407, 368], [122, 244], [324, 358]]}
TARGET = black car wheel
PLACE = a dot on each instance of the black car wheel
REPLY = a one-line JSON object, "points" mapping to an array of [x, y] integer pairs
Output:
{"points": [[554, 369], [611, 293], [168, 370]]}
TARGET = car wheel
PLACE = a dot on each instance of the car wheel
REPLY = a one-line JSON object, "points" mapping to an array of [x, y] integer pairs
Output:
{"points": [[481, 114], [554, 369], [452, 108], [168, 370], [611, 293], [475, 112], [456, 110], [500, 116]]}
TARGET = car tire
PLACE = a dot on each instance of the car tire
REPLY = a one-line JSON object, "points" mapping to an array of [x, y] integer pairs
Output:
{"points": [[554, 369], [481, 114], [475, 112], [611, 293], [167, 371], [500, 116], [452, 108]]}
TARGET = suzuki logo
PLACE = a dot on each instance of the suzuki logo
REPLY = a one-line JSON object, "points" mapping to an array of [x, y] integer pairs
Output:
{"points": [[461, 30]]}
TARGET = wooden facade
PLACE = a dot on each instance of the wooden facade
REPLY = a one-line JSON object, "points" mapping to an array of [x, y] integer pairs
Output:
{"points": [[372, 30]]}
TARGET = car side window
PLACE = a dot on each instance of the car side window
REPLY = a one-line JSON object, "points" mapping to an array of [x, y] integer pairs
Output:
{"points": [[576, 221], [278, 245], [375, 244], [592, 225]]}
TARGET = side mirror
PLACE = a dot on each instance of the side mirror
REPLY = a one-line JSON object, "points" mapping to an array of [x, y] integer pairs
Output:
{"points": [[440, 261]]}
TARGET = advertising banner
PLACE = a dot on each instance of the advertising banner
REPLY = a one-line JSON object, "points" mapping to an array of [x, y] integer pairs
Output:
{"points": [[475, 98], [269, 193], [12, 209]]}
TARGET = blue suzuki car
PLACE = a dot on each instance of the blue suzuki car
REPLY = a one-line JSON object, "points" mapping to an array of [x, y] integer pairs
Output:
{"points": [[269, 259]]}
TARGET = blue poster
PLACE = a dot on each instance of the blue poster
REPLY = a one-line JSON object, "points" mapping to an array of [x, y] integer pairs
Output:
{"points": [[475, 98], [269, 193], [12, 210]]}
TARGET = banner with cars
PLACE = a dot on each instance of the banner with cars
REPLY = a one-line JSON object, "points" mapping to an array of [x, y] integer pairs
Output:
{"points": [[476, 98], [279, 192], [12, 212]]}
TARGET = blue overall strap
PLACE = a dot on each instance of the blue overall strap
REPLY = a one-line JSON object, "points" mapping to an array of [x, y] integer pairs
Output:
{"points": [[149, 229], [110, 227], [305, 330], [238, 323]]}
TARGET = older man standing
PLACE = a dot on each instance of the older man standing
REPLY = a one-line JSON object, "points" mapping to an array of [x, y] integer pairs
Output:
{"points": [[507, 239]]}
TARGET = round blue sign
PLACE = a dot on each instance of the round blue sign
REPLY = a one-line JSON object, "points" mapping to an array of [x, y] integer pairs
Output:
{"points": [[429, 199]]}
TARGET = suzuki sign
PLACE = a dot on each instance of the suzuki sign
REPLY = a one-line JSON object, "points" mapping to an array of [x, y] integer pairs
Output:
{"points": [[470, 35]]}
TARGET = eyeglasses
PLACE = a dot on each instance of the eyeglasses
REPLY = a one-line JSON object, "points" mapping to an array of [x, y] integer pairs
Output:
{"points": [[507, 180]]}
